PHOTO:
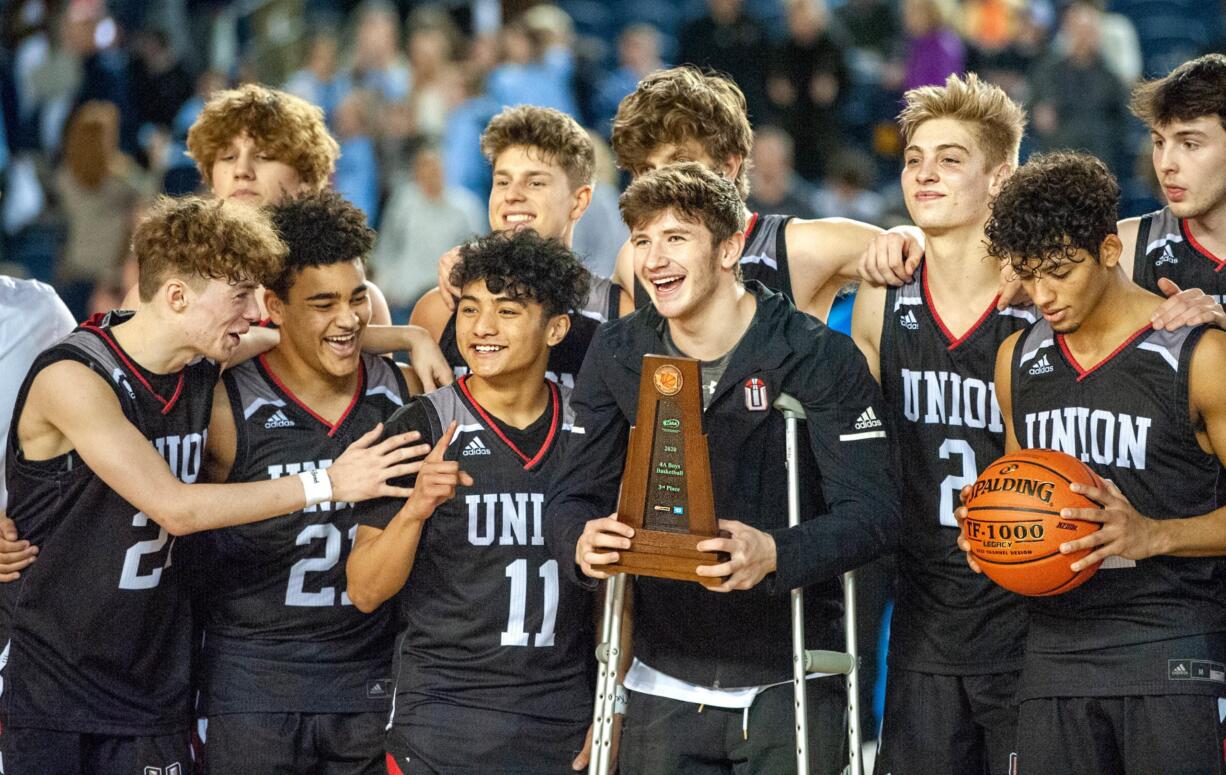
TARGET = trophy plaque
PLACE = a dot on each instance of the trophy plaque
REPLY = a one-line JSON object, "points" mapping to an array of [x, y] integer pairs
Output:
{"points": [[666, 484]]}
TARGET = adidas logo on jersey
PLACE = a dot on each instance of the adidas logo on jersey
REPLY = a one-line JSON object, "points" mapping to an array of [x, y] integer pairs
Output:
{"points": [[867, 419], [1167, 256], [1041, 366], [475, 447], [908, 321], [278, 420]]}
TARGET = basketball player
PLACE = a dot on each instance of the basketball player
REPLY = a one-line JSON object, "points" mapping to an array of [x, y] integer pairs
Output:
{"points": [[493, 670], [710, 684], [258, 146], [1180, 246], [1184, 243], [295, 679], [956, 638], [97, 632], [543, 165], [1124, 673], [682, 114]]}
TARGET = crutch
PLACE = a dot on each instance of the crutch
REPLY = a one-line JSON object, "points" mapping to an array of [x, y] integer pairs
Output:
{"points": [[811, 661], [608, 657]]}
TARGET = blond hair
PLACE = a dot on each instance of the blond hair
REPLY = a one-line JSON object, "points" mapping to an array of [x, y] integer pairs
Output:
{"points": [[288, 128], [996, 120], [198, 239]]}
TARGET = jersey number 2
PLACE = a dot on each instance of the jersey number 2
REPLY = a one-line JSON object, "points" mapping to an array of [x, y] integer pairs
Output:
{"points": [[514, 634], [952, 485]]}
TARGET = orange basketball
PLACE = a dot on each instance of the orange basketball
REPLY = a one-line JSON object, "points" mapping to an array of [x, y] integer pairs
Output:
{"points": [[1014, 526]]}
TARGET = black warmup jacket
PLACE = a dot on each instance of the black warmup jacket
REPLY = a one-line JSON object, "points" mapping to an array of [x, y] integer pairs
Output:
{"points": [[849, 488]]}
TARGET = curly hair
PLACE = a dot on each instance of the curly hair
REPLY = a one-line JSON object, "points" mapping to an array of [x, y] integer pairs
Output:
{"points": [[996, 121], [288, 128], [557, 136], [526, 267], [1053, 206], [196, 238], [1194, 89], [693, 192], [679, 105], [319, 230]]}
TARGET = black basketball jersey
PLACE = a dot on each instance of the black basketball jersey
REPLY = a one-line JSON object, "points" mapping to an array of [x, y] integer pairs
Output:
{"points": [[487, 621], [281, 635], [97, 633], [1127, 629], [603, 303], [1167, 248], [764, 257], [947, 619]]}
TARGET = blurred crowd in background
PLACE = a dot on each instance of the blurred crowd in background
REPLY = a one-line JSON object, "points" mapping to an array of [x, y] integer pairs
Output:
{"points": [[97, 97]]}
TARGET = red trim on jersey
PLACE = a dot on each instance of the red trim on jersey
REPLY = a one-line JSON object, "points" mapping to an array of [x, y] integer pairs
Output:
{"points": [[392, 767], [167, 403], [1083, 373], [493, 426], [332, 427], [1187, 234], [953, 341], [750, 225]]}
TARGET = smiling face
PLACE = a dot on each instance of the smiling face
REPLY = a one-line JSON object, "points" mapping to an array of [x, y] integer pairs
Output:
{"points": [[243, 172], [945, 177], [324, 317], [1189, 157], [504, 338], [531, 191], [676, 262], [215, 314]]}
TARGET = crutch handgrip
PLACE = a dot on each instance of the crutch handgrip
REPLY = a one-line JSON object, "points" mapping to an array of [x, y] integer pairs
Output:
{"points": [[832, 662], [789, 406]]}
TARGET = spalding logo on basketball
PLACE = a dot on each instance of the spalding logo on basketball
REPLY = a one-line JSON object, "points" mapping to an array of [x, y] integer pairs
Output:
{"points": [[1014, 526]]}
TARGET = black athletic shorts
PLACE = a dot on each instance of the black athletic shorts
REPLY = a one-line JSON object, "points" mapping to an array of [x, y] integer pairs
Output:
{"points": [[1150, 735], [964, 724], [440, 739], [50, 752], [293, 743], [660, 735]]}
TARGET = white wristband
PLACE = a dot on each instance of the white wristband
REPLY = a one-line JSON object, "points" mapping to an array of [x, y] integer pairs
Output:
{"points": [[316, 485]]}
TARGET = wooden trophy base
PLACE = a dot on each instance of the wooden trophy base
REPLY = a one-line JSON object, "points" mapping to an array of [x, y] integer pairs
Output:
{"points": [[667, 555]]}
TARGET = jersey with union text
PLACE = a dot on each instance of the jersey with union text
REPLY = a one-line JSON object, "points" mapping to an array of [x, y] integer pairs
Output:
{"points": [[1127, 417], [487, 622], [603, 302], [947, 619], [97, 633], [764, 257], [281, 635], [1167, 248]]}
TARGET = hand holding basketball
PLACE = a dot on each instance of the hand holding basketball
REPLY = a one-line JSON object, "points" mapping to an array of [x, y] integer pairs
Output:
{"points": [[1016, 520], [1124, 532], [960, 516]]}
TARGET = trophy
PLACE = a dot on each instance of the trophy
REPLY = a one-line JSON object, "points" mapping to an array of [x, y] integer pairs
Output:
{"points": [[666, 485]]}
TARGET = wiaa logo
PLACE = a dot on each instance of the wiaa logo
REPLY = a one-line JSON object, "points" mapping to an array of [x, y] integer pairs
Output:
{"points": [[908, 321], [1042, 366]]}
